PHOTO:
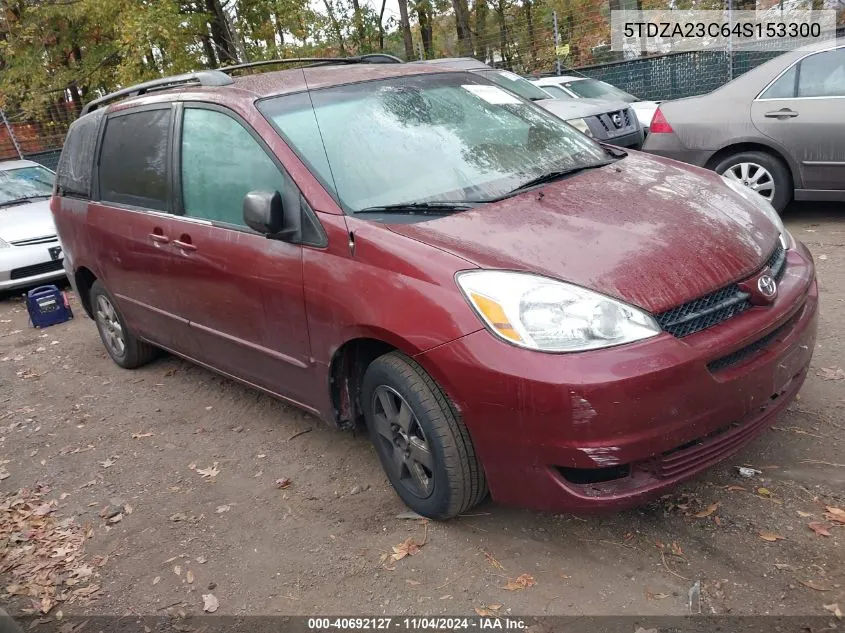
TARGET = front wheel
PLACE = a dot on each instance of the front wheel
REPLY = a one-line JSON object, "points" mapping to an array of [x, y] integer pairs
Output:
{"points": [[423, 446], [762, 173]]}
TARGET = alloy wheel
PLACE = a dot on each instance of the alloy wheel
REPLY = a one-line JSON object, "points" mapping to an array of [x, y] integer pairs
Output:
{"points": [[403, 441], [110, 328], [755, 177]]}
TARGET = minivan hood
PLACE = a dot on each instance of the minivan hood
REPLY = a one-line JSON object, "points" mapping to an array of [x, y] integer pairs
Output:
{"points": [[26, 221], [644, 229]]}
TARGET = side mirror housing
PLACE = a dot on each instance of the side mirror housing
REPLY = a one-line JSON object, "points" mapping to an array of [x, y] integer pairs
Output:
{"points": [[264, 212]]}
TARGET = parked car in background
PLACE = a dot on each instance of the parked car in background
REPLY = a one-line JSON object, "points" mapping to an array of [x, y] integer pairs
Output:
{"points": [[607, 120], [779, 129], [30, 252], [566, 86], [503, 301]]}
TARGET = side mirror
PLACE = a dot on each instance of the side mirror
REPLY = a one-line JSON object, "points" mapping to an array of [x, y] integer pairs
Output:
{"points": [[264, 212]]}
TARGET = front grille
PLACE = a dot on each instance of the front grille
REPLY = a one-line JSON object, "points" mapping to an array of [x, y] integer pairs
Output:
{"points": [[36, 240], [721, 305], [704, 312], [36, 269], [743, 354]]}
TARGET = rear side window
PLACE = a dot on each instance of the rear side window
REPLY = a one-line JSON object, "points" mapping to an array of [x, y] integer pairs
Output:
{"points": [[784, 87], [76, 164], [134, 158], [221, 163], [823, 75], [559, 93]]}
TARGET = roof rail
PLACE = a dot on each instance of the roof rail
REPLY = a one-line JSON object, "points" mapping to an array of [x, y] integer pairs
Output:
{"points": [[202, 77], [371, 58]]}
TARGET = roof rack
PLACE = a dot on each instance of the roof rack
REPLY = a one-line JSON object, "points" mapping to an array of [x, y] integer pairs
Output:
{"points": [[371, 58], [202, 77]]}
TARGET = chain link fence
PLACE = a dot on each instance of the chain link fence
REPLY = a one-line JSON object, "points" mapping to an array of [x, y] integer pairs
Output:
{"points": [[38, 138]]}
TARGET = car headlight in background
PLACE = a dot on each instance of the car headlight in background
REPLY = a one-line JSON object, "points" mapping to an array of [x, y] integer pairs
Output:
{"points": [[4, 244], [552, 316], [763, 206], [580, 125]]}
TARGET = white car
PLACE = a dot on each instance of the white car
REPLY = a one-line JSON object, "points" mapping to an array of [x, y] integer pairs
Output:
{"points": [[585, 88], [30, 252]]}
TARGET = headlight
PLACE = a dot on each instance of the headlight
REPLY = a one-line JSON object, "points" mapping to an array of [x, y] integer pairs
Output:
{"points": [[552, 316], [4, 244], [762, 205], [580, 125]]}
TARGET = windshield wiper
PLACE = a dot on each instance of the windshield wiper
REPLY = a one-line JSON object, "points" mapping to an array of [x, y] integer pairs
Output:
{"points": [[14, 201], [551, 177], [423, 207]]}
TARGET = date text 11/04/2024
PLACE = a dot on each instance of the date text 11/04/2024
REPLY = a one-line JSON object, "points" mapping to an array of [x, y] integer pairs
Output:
{"points": [[416, 623]]}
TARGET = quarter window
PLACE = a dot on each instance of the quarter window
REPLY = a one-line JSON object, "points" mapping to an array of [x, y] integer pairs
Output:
{"points": [[784, 87], [823, 75], [133, 161], [221, 163]]}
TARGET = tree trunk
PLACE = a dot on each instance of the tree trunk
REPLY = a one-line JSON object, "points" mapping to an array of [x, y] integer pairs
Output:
{"points": [[424, 15], [503, 33], [532, 40], [358, 19], [217, 25], [280, 31], [462, 27], [336, 26], [381, 25], [480, 8], [405, 25]]}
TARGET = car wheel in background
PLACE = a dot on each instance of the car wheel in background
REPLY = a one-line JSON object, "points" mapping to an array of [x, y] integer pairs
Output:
{"points": [[423, 446], [762, 173], [124, 349]]}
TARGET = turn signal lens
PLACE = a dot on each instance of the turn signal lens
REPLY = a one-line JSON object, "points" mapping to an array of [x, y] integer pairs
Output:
{"points": [[496, 317], [659, 124]]}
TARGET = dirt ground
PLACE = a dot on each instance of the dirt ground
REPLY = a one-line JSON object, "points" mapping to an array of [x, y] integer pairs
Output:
{"points": [[93, 435]]}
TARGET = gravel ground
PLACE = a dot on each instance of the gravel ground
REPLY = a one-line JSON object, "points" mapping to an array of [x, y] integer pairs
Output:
{"points": [[96, 437]]}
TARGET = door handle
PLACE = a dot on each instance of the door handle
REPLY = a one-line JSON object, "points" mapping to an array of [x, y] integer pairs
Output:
{"points": [[184, 245], [159, 238], [783, 113]]}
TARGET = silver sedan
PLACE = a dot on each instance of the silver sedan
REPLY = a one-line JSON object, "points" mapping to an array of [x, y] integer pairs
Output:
{"points": [[30, 252]]}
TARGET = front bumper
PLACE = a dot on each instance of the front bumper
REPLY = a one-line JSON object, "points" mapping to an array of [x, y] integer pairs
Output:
{"points": [[22, 266], [614, 428], [632, 140]]}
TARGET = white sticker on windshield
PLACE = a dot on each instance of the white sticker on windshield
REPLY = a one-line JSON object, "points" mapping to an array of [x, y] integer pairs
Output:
{"points": [[492, 94]]}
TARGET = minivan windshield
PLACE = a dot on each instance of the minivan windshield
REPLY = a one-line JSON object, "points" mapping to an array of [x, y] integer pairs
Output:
{"points": [[595, 89], [23, 184], [446, 137]]}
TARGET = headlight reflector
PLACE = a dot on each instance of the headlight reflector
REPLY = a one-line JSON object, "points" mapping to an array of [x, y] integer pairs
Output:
{"points": [[580, 125], [552, 316]]}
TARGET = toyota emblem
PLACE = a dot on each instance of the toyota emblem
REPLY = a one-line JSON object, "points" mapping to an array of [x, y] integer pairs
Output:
{"points": [[767, 286]]}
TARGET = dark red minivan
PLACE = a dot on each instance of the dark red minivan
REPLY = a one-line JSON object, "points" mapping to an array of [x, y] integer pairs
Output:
{"points": [[504, 302]]}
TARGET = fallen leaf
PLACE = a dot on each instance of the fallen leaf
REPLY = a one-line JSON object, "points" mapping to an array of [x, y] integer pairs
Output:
{"points": [[784, 566], [209, 603], [488, 611], [835, 514], [108, 463], [736, 489], [490, 559], [43, 510], [177, 570], [814, 585], [804, 515], [117, 518], [707, 511], [655, 596], [138, 436], [764, 492], [831, 373], [156, 580], [822, 257], [209, 473], [189, 577], [283, 483], [412, 583], [222, 509], [523, 581], [408, 547], [771, 536], [819, 528], [834, 609], [200, 559]]}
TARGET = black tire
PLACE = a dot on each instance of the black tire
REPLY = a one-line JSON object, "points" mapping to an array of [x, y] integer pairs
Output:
{"points": [[134, 352], [456, 481], [782, 179]]}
